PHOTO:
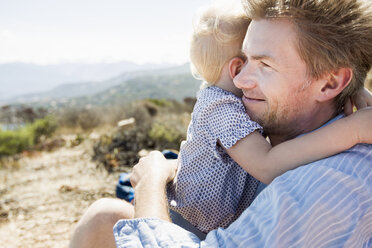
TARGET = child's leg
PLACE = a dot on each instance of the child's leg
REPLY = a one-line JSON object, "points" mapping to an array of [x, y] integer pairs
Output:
{"points": [[95, 227]]}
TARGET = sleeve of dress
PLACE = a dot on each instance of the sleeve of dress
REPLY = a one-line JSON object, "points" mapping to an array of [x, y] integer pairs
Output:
{"points": [[228, 121]]}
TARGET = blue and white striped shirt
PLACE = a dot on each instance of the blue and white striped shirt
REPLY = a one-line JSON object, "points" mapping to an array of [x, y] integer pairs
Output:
{"points": [[327, 203]]}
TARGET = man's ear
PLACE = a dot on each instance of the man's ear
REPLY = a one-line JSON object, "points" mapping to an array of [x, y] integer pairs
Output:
{"points": [[334, 83], [235, 65]]}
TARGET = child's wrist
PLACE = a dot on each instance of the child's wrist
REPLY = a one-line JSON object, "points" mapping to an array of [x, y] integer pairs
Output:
{"points": [[353, 126]]}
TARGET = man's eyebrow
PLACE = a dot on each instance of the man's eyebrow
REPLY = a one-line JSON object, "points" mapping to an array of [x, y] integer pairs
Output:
{"points": [[259, 56], [263, 56]]}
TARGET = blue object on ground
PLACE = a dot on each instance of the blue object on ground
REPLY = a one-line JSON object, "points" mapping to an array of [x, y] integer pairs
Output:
{"points": [[169, 154], [124, 189], [124, 179]]}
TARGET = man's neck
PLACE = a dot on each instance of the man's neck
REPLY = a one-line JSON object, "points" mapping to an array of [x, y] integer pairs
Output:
{"points": [[317, 120]]}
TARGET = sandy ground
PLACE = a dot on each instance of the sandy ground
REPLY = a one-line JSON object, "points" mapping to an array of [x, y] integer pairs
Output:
{"points": [[43, 199]]}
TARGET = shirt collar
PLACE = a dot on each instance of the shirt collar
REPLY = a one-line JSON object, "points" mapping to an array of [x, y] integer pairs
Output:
{"points": [[326, 124]]}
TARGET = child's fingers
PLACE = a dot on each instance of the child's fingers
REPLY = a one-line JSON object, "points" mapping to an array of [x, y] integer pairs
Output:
{"points": [[348, 108], [362, 99], [367, 97], [369, 101], [360, 102]]}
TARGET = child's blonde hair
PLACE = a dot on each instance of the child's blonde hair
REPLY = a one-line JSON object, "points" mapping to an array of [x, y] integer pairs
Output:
{"points": [[217, 38]]}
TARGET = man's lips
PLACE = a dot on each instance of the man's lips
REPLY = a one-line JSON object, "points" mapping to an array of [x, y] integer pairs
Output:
{"points": [[252, 99]]}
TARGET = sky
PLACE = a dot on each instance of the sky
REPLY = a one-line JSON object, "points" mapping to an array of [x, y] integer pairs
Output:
{"points": [[92, 31]]}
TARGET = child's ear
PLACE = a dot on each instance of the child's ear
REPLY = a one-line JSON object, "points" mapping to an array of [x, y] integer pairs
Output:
{"points": [[333, 84], [235, 66]]}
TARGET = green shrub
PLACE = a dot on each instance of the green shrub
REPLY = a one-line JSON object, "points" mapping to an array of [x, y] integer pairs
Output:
{"points": [[16, 141], [42, 128], [160, 102], [12, 142], [159, 125], [165, 136]]}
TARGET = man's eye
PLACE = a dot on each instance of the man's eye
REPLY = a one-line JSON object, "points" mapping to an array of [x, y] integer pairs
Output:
{"points": [[264, 64]]}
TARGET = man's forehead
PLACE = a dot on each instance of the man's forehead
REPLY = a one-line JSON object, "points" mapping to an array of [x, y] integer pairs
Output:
{"points": [[269, 38]]}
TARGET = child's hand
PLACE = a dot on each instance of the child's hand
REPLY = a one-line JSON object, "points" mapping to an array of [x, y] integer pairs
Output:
{"points": [[360, 100], [362, 122]]}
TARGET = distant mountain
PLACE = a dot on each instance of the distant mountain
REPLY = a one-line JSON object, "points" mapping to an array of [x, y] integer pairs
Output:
{"points": [[171, 83], [22, 78], [168, 86]]}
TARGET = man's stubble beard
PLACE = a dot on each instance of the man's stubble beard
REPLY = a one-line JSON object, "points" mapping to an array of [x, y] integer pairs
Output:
{"points": [[273, 121], [284, 121]]}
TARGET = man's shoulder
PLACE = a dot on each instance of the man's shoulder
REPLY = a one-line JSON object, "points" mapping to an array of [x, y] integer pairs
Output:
{"points": [[360, 152], [335, 176], [333, 194], [355, 162]]}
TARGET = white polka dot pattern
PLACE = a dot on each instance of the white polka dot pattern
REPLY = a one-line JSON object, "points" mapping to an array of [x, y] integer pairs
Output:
{"points": [[211, 190]]}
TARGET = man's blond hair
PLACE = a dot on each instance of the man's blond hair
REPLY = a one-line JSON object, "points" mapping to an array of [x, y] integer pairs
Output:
{"points": [[332, 34], [217, 38]]}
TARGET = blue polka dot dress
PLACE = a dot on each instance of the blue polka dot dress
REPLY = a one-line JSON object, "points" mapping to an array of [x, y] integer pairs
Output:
{"points": [[210, 189]]}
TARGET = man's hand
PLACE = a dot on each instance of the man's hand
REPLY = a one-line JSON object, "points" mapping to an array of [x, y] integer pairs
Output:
{"points": [[153, 167], [149, 178]]}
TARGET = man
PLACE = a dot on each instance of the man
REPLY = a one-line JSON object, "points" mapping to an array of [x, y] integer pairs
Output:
{"points": [[304, 59]]}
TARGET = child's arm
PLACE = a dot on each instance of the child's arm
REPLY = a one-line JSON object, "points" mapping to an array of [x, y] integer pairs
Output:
{"points": [[256, 156]]}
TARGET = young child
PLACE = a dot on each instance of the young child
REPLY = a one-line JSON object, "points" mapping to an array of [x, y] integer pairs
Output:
{"points": [[225, 153]]}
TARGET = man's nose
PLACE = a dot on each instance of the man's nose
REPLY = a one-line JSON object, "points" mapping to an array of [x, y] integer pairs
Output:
{"points": [[245, 79]]}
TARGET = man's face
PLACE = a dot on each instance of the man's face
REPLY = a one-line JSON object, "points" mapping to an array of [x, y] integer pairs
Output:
{"points": [[273, 79]]}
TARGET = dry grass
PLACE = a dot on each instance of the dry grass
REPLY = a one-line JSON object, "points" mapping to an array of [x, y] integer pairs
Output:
{"points": [[42, 200]]}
